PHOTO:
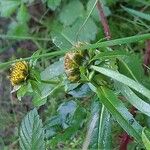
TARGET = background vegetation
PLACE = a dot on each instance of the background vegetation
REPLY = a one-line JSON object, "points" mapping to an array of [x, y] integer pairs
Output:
{"points": [[110, 110]]}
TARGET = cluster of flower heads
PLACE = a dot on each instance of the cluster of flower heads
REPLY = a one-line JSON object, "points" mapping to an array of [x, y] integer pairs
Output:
{"points": [[19, 73], [73, 60]]}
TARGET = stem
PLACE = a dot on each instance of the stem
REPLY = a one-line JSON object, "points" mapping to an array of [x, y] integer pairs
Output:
{"points": [[14, 37], [103, 20], [52, 54], [147, 56], [120, 41], [50, 81]]}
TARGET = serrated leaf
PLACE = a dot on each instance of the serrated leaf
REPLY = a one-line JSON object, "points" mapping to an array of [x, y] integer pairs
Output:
{"points": [[8, 7], [137, 13], [23, 14], [71, 12], [120, 112], [53, 4], [31, 132], [67, 37], [146, 138], [87, 34], [123, 79]]}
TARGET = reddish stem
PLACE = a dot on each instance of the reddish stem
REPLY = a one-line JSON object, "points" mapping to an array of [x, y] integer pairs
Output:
{"points": [[103, 20], [147, 56]]}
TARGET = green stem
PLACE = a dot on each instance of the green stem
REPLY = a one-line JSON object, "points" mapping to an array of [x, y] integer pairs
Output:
{"points": [[120, 41], [52, 54], [50, 81], [14, 37]]}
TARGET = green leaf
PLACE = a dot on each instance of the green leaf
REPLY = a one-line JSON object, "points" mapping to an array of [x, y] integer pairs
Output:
{"points": [[127, 66], [31, 132], [23, 90], [53, 4], [137, 13], [38, 101], [146, 138], [123, 79], [18, 29], [85, 35], [53, 71], [76, 121], [23, 14], [120, 112], [71, 12], [27, 1], [110, 54], [104, 133], [35, 87], [8, 7], [66, 37], [134, 99], [80, 91], [101, 135]]}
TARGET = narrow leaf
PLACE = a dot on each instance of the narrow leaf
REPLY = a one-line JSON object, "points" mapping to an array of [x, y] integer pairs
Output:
{"points": [[137, 13], [146, 138], [123, 79], [134, 99], [110, 54], [104, 133], [120, 112]]}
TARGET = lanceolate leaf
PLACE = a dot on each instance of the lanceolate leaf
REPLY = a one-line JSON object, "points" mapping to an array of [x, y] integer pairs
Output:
{"points": [[137, 13], [31, 132], [99, 132], [120, 112], [110, 54], [104, 132], [123, 79], [134, 99], [146, 138]]}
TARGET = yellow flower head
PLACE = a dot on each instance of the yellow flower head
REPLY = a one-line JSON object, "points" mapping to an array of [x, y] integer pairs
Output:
{"points": [[19, 73]]}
